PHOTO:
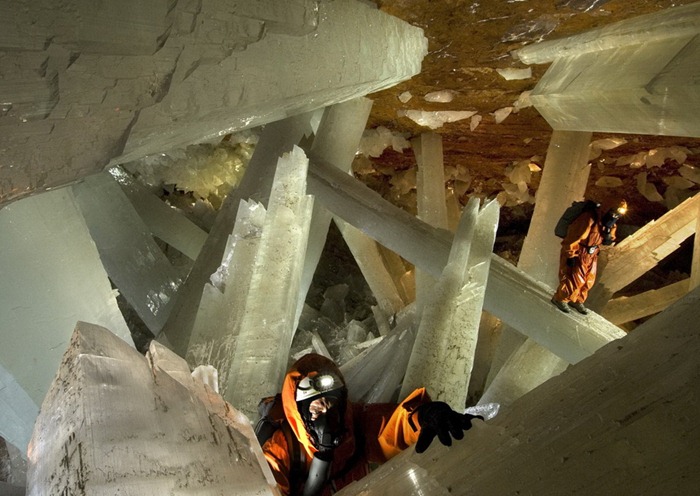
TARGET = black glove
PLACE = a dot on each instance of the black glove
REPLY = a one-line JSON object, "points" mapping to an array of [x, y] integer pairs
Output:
{"points": [[438, 419], [570, 262]]}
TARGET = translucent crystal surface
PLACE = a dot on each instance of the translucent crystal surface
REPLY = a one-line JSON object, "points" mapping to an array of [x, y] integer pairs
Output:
{"points": [[511, 295], [443, 354], [371, 263], [578, 431], [336, 141], [638, 253], [430, 189], [187, 438], [133, 260], [634, 76], [563, 181], [277, 138], [377, 51], [50, 277], [265, 337], [222, 306], [146, 78], [163, 221], [18, 412]]}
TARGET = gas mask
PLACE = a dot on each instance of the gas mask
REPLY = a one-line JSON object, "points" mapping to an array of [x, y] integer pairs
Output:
{"points": [[321, 401]]}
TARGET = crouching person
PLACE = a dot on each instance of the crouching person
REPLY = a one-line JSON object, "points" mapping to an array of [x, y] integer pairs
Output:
{"points": [[316, 441]]}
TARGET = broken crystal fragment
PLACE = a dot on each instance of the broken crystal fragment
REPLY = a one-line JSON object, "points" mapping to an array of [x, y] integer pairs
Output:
{"points": [[436, 119], [444, 96], [501, 114], [474, 122], [512, 74]]}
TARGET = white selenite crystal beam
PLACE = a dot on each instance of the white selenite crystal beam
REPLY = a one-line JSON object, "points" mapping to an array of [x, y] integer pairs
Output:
{"points": [[133, 260], [511, 295], [336, 141], [165, 222], [524, 304], [634, 76], [266, 331], [17, 411], [115, 422], [564, 178], [221, 309], [146, 78], [443, 354], [430, 189], [623, 263], [50, 277], [351, 200], [355, 49], [527, 367], [371, 263], [615, 423], [629, 308], [276, 139]]}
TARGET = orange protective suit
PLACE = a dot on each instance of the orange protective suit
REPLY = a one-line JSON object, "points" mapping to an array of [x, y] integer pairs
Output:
{"points": [[373, 433], [582, 242]]}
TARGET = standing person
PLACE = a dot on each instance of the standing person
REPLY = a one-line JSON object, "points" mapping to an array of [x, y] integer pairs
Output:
{"points": [[323, 441], [580, 247]]}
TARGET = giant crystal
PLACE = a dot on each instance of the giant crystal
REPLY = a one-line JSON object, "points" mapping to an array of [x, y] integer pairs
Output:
{"points": [[115, 422], [430, 189], [221, 308], [276, 139], [50, 277], [635, 76], [511, 295], [617, 422], [262, 348], [89, 84], [336, 140], [133, 260], [443, 354]]}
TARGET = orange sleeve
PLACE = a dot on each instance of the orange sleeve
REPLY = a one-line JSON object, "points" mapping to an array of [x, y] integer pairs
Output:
{"points": [[578, 231], [277, 456], [400, 432]]}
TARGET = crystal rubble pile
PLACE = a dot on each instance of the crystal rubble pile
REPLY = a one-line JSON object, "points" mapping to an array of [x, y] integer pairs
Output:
{"points": [[196, 179], [115, 421]]}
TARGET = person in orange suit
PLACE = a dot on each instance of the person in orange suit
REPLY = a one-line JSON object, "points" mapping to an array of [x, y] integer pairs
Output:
{"points": [[578, 261], [325, 442]]}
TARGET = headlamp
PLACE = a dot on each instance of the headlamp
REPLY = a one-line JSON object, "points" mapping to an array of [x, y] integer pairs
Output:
{"points": [[622, 208], [317, 385]]}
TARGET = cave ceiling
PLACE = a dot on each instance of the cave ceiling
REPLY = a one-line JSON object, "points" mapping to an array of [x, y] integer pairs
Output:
{"points": [[468, 42]]}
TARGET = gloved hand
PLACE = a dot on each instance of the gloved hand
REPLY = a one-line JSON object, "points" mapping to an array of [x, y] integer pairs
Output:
{"points": [[438, 419], [570, 262]]}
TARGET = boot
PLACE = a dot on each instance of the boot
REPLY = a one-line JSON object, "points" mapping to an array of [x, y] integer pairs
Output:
{"points": [[560, 305], [578, 307]]}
